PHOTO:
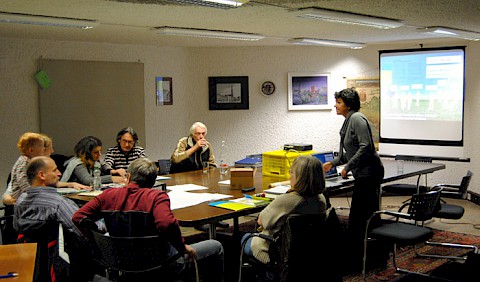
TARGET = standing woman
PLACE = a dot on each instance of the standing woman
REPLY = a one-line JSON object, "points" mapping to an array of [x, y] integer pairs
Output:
{"points": [[80, 167], [357, 153]]}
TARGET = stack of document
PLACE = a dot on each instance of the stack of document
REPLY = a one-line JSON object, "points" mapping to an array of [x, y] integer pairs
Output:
{"points": [[242, 203], [66, 191]]}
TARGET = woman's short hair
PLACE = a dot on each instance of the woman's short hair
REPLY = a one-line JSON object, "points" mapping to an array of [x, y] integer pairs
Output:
{"points": [[85, 146], [47, 140], [28, 140], [127, 130], [143, 172], [199, 124], [350, 97], [310, 179]]}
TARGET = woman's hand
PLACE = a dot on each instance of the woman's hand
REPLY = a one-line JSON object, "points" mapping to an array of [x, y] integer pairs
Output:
{"points": [[344, 174], [78, 186], [327, 166], [190, 251]]}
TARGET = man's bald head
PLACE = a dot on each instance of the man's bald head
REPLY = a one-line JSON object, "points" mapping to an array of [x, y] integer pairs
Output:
{"points": [[42, 171]]}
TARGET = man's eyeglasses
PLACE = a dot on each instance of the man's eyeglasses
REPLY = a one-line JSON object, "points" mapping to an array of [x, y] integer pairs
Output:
{"points": [[129, 142]]}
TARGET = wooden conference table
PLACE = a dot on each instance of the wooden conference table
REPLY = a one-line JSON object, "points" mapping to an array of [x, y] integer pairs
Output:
{"points": [[204, 214], [18, 258]]}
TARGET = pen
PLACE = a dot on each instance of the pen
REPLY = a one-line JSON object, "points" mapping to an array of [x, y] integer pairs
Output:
{"points": [[247, 196], [8, 275]]}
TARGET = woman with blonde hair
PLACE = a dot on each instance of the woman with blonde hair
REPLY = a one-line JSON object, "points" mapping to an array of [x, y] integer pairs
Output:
{"points": [[305, 196], [30, 145]]}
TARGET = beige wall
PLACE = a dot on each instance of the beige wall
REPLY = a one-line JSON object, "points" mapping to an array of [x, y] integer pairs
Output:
{"points": [[266, 126]]}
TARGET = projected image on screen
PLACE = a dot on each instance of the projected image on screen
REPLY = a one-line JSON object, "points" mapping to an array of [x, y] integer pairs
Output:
{"points": [[422, 93]]}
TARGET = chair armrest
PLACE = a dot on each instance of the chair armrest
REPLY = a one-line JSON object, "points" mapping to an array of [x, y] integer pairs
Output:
{"points": [[445, 187], [263, 236], [397, 214]]}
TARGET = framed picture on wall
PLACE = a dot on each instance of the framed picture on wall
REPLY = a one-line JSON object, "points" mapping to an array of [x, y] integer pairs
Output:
{"points": [[309, 91], [228, 93], [164, 92], [369, 91]]}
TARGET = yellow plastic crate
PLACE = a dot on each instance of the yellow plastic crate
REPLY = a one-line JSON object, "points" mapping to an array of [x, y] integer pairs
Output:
{"points": [[278, 163]]}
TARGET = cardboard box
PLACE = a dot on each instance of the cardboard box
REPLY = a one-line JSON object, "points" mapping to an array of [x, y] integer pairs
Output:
{"points": [[241, 178]]}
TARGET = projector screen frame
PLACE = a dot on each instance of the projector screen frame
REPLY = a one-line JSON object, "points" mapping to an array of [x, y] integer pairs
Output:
{"points": [[422, 142]]}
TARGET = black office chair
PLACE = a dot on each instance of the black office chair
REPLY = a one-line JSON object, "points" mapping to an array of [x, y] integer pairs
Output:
{"points": [[48, 265], [8, 235], [164, 166], [452, 211], [421, 207], [408, 189], [133, 251], [60, 161], [303, 235]]}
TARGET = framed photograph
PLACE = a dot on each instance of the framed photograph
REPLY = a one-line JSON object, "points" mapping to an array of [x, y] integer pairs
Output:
{"points": [[164, 91], [309, 91], [369, 91], [228, 93]]}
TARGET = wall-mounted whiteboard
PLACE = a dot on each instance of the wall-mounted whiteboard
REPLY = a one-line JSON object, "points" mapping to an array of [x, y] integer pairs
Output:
{"points": [[91, 98]]}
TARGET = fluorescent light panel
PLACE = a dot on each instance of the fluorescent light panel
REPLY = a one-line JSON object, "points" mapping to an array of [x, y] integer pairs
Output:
{"points": [[217, 34], [223, 4], [450, 32], [46, 21], [326, 42], [347, 18]]}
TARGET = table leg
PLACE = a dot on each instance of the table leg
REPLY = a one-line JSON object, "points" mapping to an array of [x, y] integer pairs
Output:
{"points": [[212, 230]]}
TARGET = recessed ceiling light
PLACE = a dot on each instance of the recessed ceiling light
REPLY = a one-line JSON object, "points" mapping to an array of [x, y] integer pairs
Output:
{"points": [[218, 34], [326, 42], [347, 18], [46, 21], [450, 32], [223, 4]]}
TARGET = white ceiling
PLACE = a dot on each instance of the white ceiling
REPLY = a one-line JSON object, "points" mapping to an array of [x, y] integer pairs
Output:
{"points": [[132, 21]]}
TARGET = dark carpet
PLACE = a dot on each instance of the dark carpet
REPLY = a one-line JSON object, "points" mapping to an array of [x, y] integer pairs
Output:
{"points": [[443, 269]]}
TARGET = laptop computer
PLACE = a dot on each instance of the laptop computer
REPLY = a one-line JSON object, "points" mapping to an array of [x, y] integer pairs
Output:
{"points": [[332, 175], [327, 157]]}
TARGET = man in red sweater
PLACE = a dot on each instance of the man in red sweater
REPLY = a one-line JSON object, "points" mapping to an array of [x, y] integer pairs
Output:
{"points": [[137, 196]]}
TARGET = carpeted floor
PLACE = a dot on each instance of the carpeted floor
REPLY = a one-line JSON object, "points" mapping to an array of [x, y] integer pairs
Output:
{"points": [[406, 257]]}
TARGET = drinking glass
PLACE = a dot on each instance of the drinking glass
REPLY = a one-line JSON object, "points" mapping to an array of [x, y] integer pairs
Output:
{"points": [[205, 166]]}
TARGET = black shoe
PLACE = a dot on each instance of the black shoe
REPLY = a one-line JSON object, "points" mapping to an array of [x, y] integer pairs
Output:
{"points": [[204, 227], [222, 224]]}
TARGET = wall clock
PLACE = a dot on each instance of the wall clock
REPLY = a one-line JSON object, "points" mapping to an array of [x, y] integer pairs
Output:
{"points": [[268, 88]]}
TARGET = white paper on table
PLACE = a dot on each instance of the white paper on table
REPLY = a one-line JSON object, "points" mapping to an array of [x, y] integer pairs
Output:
{"points": [[224, 182], [91, 193], [186, 187], [161, 177], [182, 199], [282, 189]]}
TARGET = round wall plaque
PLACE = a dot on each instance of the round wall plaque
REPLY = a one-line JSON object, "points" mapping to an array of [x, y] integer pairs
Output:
{"points": [[268, 88]]}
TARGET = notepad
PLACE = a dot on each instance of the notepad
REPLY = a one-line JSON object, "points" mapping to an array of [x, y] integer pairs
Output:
{"points": [[230, 205], [277, 190], [241, 203], [91, 193], [66, 191]]}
